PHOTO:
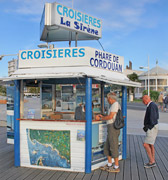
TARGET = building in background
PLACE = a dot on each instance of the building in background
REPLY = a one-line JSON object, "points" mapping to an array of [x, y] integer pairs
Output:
{"points": [[12, 66], [133, 92], [129, 70], [158, 78]]}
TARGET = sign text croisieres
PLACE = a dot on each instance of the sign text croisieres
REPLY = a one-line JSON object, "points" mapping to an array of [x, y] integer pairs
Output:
{"points": [[76, 56], [76, 20]]}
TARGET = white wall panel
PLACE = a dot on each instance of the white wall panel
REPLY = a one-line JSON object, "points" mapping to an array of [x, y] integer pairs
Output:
{"points": [[77, 148]]}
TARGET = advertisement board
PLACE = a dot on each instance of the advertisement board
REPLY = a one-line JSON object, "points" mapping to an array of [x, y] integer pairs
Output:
{"points": [[75, 20], [58, 20], [71, 57]]}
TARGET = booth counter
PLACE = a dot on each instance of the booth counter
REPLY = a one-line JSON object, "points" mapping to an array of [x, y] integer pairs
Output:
{"points": [[59, 144]]}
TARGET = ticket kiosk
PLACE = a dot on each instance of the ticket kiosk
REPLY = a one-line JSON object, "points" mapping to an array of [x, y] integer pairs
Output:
{"points": [[47, 135]]}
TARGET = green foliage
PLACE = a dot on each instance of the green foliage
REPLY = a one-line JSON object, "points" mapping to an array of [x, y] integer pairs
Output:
{"points": [[33, 89], [145, 92], [153, 94], [138, 100], [133, 77], [2, 90]]}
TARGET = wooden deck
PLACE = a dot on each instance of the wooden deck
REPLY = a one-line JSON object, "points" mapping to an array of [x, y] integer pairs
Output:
{"points": [[131, 168]]}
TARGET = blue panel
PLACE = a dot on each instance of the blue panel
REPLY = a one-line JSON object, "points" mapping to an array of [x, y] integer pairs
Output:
{"points": [[16, 123], [88, 147], [124, 111]]}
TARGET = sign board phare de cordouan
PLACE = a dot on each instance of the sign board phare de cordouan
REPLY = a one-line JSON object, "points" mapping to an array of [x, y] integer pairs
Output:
{"points": [[72, 57]]}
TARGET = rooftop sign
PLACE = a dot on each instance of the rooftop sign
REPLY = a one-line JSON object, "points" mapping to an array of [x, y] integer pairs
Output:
{"points": [[71, 57], [57, 20]]}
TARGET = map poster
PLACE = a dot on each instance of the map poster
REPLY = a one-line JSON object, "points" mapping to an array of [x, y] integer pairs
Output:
{"points": [[49, 148]]}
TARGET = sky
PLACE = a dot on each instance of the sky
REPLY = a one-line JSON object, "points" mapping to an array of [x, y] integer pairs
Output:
{"points": [[133, 29]]}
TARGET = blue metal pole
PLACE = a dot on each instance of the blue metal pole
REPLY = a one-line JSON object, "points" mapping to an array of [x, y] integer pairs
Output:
{"points": [[102, 98], [16, 123], [88, 135], [124, 111]]}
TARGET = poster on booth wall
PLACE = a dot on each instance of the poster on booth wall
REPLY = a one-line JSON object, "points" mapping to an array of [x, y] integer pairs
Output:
{"points": [[68, 98], [47, 97], [96, 98], [102, 133], [97, 144], [31, 114], [10, 114], [80, 135], [68, 106], [58, 98], [49, 148], [58, 104]]}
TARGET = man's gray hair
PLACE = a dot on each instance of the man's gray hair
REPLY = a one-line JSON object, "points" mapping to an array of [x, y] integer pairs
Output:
{"points": [[112, 95]]}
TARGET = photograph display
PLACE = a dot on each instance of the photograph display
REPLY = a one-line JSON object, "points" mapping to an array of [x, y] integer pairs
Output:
{"points": [[47, 97], [68, 98]]}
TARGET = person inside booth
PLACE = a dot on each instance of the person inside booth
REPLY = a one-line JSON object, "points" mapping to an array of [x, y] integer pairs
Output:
{"points": [[80, 112]]}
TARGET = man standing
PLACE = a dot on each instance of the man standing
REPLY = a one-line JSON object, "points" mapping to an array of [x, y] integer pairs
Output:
{"points": [[80, 112], [166, 103], [160, 101], [111, 145], [151, 129]]}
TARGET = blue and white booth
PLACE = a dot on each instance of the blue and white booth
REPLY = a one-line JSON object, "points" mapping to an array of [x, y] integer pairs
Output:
{"points": [[46, 135]]}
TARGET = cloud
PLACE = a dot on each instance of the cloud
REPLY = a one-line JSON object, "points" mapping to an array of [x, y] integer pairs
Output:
{"points": [[116, 15], [124, 16], [33, 7]]}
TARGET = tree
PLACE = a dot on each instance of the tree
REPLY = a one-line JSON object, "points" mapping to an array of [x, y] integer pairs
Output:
{"points": [[34, 90], [132, 77], [2, 90], [153, 94]]}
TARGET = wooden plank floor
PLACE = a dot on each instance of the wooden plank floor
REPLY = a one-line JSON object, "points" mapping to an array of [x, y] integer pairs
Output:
{"points": [[131, 168]]}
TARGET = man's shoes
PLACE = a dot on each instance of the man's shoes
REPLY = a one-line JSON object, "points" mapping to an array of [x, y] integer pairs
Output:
{"points": [[148, 165], [112, 169], [104, 168]]}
